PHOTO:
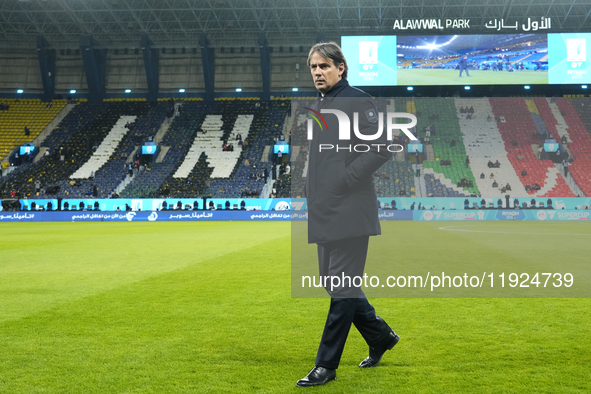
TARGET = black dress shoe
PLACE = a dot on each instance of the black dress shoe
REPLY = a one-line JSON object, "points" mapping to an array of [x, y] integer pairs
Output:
{"points": [[317, 377], [375, 354]]}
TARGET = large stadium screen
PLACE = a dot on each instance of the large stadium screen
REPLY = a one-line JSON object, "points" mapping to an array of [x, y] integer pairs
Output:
{"points": [[496, 59]]}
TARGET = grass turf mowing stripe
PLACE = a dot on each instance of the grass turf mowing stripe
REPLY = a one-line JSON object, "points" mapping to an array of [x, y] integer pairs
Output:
{"points": [[228, 324], [44, 264]]}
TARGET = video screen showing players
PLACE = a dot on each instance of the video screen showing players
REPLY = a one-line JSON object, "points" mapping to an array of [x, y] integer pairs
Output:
{"points": [[473, 59], [495, 59]]}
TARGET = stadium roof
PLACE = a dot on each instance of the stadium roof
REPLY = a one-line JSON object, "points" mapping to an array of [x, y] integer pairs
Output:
{"points": [[235, 23]]}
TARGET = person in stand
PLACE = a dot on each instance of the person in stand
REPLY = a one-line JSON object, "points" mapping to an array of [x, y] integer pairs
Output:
{"points": [[342, 214]]}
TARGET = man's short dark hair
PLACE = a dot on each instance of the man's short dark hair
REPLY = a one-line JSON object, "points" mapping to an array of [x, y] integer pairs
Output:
{"points": [[330, 50]]}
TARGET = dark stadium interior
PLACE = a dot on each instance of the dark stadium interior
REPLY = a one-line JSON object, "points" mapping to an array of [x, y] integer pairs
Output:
{"points": [[175, 75], [187, 185]]}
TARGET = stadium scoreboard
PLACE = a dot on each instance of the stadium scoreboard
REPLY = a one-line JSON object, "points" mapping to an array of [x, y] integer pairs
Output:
{"points": [[528, 58]]}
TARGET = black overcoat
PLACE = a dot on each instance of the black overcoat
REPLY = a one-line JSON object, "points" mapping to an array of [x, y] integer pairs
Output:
{"points": [[342, 201]]}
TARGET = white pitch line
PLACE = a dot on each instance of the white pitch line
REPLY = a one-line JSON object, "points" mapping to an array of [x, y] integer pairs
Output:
{"points": [[454, 228]]}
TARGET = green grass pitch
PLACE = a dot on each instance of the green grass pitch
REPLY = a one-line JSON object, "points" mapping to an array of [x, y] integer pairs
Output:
{"points": [[477, 77], [206, 308]]}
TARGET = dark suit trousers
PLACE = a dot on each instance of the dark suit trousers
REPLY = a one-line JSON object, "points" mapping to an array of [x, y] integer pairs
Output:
{"points": [[348, 304]]}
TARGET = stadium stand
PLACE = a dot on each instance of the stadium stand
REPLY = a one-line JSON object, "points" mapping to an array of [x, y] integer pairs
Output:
{"points": [[193, 162], [438, 117], [517, 128], [393, 178], [157, 180], [299, 144], [485, 144], [196, 164], [75, 140], [149, 118], [49, 170], [581, 140], [265, 129], [21, 113], [105, 150]]}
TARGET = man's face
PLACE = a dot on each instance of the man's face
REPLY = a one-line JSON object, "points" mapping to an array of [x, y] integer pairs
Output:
{"points": [[324, 73]]}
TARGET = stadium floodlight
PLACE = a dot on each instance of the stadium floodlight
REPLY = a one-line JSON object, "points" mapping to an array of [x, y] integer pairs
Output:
{"points": [[181, 90], [239, 89], [127, 90], [433, 46], [410, 88], [583, 86], [72, 91], [526, 87], [294, 89], [19, 91], [467, 87]]}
